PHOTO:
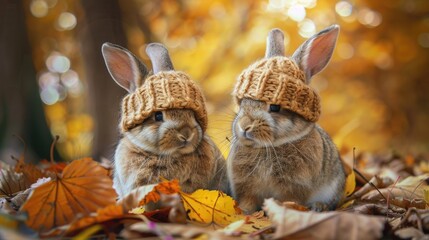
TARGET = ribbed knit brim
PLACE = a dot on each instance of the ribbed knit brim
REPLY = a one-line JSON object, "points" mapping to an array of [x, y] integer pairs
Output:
{"points": [[163, 91], [278, 80]]}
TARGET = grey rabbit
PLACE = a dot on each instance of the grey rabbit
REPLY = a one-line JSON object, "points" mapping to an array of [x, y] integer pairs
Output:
{"points": [[278, 150], [163, 125]]}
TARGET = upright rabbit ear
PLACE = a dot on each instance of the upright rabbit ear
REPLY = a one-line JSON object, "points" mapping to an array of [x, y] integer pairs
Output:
{"points": [[314, 54], [159, 57], [275, 44], [124, 67]]}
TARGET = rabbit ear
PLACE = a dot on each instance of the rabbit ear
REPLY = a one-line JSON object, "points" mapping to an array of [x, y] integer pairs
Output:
{"points": [[159, 57], [124, 67], [314, 54], [275, 44]]}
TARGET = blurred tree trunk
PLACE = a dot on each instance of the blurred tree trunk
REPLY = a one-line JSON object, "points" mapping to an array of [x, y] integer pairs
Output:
{"points": [[102, 24], [21, 110]]}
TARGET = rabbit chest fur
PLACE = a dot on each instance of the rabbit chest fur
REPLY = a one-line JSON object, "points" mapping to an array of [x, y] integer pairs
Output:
{"points": [[199, 169]]}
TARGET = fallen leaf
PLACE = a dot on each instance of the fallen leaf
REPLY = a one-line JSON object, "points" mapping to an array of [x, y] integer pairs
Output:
{"points": [[53, 166], [12, 182], [104, 214], [410, 188], [148, 193], [376, 181], [210, 207], [407, 203], [233, 228], [350, 184], [328, 225], [350, 176], [409, 233], [165, 187], [168, 231], [83, 187], [30, 172], [255, 223], [20, 198], [296, 206]]}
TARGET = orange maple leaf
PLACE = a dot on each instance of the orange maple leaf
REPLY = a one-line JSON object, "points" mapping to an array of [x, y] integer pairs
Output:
{"points": [[83, 187], [166, 187]]}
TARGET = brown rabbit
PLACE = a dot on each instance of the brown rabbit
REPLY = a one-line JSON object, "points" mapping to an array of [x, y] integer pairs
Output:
{"points": [[163, 125], [278, 150]]}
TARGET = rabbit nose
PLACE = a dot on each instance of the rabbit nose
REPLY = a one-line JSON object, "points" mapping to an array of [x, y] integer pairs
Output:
{"points": [[185, 136], [247, 131]]}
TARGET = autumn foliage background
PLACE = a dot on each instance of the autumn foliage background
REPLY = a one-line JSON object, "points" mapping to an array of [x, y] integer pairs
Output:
{"points": [[374, 91], [54, 82]]}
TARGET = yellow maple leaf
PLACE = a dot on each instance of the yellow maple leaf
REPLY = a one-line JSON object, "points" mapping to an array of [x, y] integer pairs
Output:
{"points": [[210, 207]]}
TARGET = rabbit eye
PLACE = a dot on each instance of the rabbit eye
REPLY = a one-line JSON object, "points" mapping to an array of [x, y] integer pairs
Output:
{"points": [[274, 108], [159, 116]]}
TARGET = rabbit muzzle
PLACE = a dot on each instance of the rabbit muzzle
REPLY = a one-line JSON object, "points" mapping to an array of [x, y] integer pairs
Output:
{"points": [[253, 132], [180, 141]]}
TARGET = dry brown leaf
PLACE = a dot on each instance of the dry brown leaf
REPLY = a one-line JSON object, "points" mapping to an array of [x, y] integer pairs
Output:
{"points": [[84, 187], [12, 182], [329, 225], [377, 181], [20, 198], [174, 230], [409, 188], [409, 233], [7, 207], [255, 223], [407, 203]]}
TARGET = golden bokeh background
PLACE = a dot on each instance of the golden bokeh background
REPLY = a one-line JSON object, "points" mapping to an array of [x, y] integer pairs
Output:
{"points": [[375, 91]]}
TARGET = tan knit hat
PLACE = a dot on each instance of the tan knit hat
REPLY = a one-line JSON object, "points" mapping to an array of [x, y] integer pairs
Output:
{"points": [[166, 89], [278, 80], [162, 91]]}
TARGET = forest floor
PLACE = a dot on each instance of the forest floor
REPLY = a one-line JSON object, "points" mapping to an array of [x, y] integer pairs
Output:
{"points": [[386, 197]]}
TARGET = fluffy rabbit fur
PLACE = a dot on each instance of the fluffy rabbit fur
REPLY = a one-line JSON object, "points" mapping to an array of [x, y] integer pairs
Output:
{"points": [[169, 144], [280, 154]]}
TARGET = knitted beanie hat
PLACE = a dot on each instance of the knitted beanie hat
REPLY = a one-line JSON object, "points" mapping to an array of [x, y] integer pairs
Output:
{"points": [[278, 80], [162, 91]]}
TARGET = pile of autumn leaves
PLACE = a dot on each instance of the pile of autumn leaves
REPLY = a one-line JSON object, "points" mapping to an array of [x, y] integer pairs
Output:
{"points": [[77, 199]]}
